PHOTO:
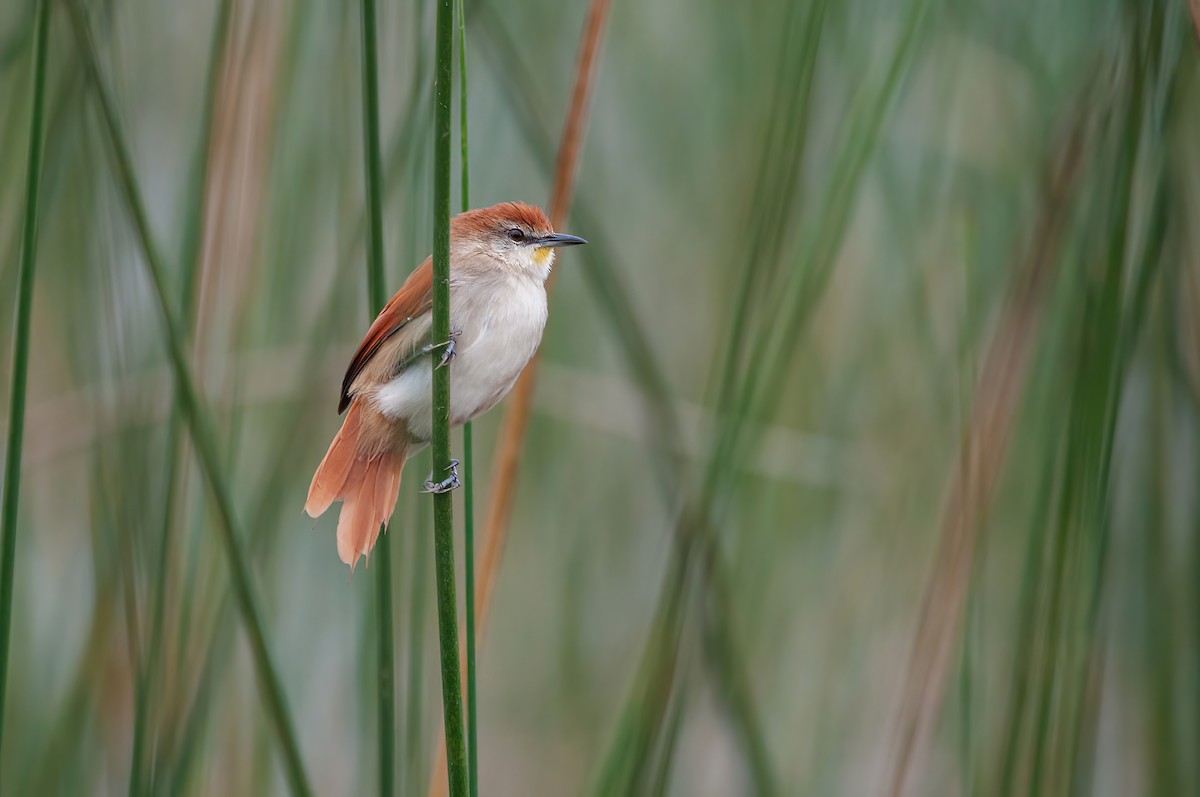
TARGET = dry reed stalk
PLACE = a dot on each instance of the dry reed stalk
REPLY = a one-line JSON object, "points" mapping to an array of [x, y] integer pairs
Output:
{"points": [[507, 461], [516, 417], [981, 459], [1194, 5], [234, 202]]}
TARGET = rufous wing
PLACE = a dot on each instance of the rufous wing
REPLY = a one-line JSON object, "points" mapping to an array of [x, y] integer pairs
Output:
{"points": [[414, 299]]}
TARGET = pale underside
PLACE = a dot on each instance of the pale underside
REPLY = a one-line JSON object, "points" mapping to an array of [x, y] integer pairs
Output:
{"points": [[498, 325], [497, 314]]}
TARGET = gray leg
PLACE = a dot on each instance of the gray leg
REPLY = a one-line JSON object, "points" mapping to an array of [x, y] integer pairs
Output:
{"points": [[447, 355], [450, 347], [447, 484]]}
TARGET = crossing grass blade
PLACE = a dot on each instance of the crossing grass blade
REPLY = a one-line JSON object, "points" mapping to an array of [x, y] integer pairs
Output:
{"points": [[197, 420], [148, 688]]}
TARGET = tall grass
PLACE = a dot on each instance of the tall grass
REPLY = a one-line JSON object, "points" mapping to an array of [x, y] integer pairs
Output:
{"points": [[199, 425], [377, 297], [1001, 383], [468, 443], [443, 503], [149, 687], [863, 440], [20, 375]]}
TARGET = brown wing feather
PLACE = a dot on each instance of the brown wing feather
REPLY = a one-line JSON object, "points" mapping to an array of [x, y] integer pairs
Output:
{"points": [[413, 299]]}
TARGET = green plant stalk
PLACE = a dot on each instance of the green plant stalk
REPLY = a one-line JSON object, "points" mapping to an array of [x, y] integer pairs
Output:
{"points": [[469, 599], [373, 175], [372, 164], [468, 451], [20, 375], [387, 669], [414, 687], [643, 713], [443, 503], [198, 422], [191, 714], [1027, 637], [1095, 400], [1112, 344], [218, 644], [776, 342], [409, 151], [776, 179]]}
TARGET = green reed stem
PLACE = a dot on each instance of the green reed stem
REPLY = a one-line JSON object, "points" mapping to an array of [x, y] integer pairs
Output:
{"points": [[20, 374], [199, 424], [372, 164], [443, 504], [373, 174], [415, 686], [468, 452], [408, 151]]}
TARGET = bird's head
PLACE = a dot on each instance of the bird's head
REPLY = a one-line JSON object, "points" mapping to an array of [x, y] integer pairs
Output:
{"points": [[517, 235]]}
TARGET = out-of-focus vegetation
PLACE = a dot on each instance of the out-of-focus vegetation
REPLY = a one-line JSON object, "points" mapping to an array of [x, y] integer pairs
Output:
{"points": [[865, 450]]}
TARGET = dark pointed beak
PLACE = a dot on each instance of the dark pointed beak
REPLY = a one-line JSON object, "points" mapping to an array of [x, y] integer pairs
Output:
{"points": [[560, 239]]}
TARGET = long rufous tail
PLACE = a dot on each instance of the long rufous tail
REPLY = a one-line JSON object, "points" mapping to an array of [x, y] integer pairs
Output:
{"points": [[365, 480]]}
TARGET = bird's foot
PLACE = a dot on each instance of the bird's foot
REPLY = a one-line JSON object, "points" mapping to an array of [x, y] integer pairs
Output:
{"points": [[447, 484], [449, 346]]}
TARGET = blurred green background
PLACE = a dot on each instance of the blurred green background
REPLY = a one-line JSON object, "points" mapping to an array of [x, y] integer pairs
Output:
{"points": [[866, 444]]}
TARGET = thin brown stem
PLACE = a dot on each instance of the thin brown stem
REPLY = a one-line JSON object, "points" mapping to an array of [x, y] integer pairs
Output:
{"points": [[981, 459], [507, 462]]}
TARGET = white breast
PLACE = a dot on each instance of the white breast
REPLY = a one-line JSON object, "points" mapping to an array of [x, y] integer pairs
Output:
{"points": [[500, 321]]}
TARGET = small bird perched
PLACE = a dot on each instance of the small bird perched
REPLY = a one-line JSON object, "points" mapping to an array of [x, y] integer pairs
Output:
{"points": [[500, 258]]}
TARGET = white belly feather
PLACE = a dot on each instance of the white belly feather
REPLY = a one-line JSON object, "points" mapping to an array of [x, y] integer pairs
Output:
{"points": [[500, 330]]}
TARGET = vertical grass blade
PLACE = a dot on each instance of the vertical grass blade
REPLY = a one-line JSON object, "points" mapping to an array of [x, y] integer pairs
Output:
{"points": [[20, 375], [409, 149], [376, 294], [372, 164], [517, 416], [199, 424], [443, 503], [468, 448], [414, 733]]}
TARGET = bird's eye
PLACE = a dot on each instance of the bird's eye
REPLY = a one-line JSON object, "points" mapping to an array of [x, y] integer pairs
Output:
{"points": [[516, 235]]}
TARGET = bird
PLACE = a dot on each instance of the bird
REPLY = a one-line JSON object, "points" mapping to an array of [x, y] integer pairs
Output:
{"points": [[500, 259]]}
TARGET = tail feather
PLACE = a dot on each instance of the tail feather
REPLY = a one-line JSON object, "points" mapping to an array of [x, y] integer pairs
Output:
{"points": [[331, 475], [387, 486], [348, 520], [345, 548], [367, 484]]}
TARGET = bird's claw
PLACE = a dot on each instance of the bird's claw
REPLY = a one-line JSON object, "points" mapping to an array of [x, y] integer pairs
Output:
{"points": [[447, 354], [447, 484], [450, 348]]}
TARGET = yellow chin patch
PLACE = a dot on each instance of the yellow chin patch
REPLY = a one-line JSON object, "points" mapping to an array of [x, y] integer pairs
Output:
{"points": [[543, 255]]}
